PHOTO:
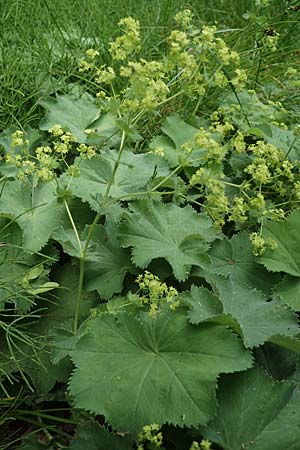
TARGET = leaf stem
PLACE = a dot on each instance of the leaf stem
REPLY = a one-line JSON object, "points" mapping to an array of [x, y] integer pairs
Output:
{"points": [[166, 178], [74, 228], [79, 295], [90, 235], [291, 147]]}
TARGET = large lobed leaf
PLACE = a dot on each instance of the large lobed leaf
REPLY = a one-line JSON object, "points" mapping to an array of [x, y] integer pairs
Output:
{"points": [[246, 310], [288, 290], [22, 274], [255, 413], [35, 210], [152, 370], [133, 173], [158, 230], [176, 134], [286, 234], [285, 257], [234, 258], [76, 114], [106, 262]]}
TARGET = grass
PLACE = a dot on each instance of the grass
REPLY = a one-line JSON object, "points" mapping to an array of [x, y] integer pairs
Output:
{"points": [[43, 41]]}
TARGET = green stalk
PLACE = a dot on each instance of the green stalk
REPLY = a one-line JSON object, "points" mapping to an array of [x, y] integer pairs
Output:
{"points": [[291, 147], [79, 295], [258, 67], [90, 235], [74, 228]]}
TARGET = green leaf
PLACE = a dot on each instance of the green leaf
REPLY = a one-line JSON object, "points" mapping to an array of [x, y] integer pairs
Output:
{"points": [[132, 176], [204, 304], [286, 234], [288, 290], [21, 272], [286, 342], [250, 405], [176, 133], [106, 262], [35, 210], [46, 287], [76, 114], [152, 370], [92, 436], [285, 140], [284, 431], [62, 307], [44, 373], [102, 130], [56, 323], [234, 257], [278, 361], [158, 230], [258, 318]]}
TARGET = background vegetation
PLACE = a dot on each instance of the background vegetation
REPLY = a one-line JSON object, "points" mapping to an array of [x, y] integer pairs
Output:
{"points": [[252, 186], [42, 41]]}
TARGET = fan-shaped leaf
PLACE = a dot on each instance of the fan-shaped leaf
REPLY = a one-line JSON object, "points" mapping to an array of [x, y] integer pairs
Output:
{"points": [[152, 370], [75, 113], [255, 413], [234, 257], [132, 176], [286, 256], [157, 230], [35, 210]]}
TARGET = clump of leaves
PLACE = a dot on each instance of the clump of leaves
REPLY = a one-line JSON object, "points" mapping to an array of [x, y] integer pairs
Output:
{"points": [[137, 272]]}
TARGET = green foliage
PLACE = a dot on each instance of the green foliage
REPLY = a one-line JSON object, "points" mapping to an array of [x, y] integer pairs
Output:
{"points": [[175, 365], [75, 114], [94, 437], [176, 134], [285, 257], [31, 443], [255, 412], [234, 258], [156, 230], [149, 242], [134, 172], [246, 310], [259, 319], [288, 291], [106, 262], [34, 208]]}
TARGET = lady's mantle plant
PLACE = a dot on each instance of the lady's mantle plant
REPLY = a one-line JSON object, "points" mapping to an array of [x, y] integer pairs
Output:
{"points": [[154, 249]]}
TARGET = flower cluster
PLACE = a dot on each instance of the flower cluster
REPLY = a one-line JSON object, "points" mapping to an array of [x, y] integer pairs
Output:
{"points": [[129, 42], [18, 139], [270, 40], [147, 85], [87, 64], [267, 184], [260, 244], [204, 445], [194, 60], [153, 293], [46, 159], [152, 435]]}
